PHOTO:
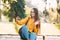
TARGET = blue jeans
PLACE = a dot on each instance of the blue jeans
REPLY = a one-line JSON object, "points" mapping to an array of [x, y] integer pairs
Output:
{"points": [[25, 34]]}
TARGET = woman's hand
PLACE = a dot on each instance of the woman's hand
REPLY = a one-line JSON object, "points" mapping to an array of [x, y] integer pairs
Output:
{"points": [[17, 18]]}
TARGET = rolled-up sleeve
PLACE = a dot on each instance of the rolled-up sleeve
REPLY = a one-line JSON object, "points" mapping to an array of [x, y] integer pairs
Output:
{"points": [[21, 22]]}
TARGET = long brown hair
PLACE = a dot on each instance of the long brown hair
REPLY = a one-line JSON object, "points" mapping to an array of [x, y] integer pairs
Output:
{"points": [[36, 14]]}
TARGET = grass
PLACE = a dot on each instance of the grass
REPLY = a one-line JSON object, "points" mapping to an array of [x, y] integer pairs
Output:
{"points": [[58, 26], [16, 27]]}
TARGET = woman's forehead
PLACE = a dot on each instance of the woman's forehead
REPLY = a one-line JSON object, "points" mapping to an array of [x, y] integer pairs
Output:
{"points": [[32, 10]]}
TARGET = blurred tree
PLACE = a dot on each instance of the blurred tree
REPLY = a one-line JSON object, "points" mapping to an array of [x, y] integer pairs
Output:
{"points": [[58, 10], [0, 14], [7, 0], [16, 9]]}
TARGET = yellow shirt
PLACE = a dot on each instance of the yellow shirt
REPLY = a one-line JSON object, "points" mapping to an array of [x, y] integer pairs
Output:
{"points": [[30, 24]]}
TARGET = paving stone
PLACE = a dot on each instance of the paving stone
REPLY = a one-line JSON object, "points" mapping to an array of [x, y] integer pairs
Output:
{"points": [[15, 37], [54, 37], [39, 37]]}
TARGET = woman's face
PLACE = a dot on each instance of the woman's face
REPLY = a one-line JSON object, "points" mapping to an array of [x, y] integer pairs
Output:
{"points": [[32, 13]]}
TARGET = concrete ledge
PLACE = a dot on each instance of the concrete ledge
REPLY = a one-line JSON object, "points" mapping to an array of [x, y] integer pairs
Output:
{"points": [[39, 37], [9, 37], [15, 37], [46, 29]]}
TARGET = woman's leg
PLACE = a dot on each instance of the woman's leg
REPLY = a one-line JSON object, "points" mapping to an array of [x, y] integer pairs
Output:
{"points": [[32, 36], [25, 33]]}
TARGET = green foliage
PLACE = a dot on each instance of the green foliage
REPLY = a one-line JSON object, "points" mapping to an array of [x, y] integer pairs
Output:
{"points": [[0, 10], [58, 10], [16, 9], [16, 27], [7, 0], [0, 13], [58, 26]]}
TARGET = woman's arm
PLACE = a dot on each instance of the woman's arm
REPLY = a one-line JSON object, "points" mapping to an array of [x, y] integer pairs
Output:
{"points": [[37, 27], [21, 22], [39, 30]]}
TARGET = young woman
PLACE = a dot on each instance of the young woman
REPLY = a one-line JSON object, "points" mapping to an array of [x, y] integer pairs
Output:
{"points": [[32, 28]]}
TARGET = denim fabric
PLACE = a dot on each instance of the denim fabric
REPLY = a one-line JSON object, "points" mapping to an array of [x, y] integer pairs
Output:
{"points": [[25, 34]]}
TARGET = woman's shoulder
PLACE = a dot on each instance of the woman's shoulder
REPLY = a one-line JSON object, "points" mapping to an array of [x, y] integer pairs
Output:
{"points": [[27, 17]]}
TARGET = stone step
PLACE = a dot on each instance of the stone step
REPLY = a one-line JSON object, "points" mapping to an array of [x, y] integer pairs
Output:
{"points": [[52, 37], [9, 37], [15, 37], [39, 37], [46, 28]]}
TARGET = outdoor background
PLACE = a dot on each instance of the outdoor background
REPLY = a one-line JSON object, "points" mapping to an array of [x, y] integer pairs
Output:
{"points": [[49, 13]]}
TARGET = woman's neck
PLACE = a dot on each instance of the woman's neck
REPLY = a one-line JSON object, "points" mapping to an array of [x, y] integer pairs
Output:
{"points": [[33, 18]]}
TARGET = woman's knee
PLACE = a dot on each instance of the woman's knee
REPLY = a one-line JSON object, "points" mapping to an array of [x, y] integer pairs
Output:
{"points": [[32, 36], [24, 31], [24, 28], [33, 33]]}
